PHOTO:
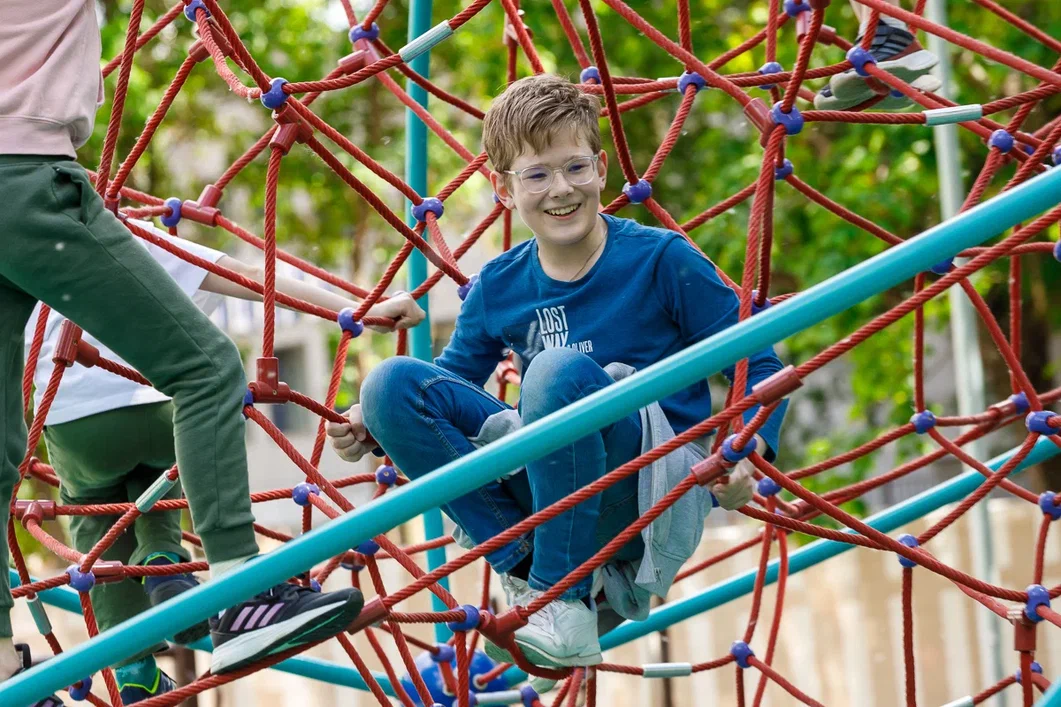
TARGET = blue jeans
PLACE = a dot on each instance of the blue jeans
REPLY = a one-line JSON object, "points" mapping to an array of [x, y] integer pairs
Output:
{"points": [[423, 415]]}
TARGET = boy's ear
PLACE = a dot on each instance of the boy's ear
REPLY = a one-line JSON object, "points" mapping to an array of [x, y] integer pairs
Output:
{"points": [[500, 185], [602, 168]]}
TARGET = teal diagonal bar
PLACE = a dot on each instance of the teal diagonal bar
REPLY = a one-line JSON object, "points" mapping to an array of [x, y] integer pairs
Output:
{"points": [[1052, 697], [900, 514], [546, 435]]}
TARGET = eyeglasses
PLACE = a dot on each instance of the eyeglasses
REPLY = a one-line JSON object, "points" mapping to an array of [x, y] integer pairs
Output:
{"points": [[538, 178]]}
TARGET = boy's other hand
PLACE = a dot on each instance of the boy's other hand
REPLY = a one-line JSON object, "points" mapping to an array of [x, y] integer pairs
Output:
{"points": [[400, 307], [737, 488], [350, 439]]}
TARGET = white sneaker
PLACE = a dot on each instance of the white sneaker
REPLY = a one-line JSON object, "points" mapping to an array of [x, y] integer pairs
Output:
{"points": [[514, 588], [561, 634]]}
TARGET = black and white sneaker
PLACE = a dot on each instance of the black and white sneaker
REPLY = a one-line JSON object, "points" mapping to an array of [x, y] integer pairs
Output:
{"points": [[898, 52], [27, 662], [284, 617]]}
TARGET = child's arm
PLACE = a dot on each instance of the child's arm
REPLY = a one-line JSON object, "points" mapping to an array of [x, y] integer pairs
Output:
{"points": [[702, 305], [402, 307]]}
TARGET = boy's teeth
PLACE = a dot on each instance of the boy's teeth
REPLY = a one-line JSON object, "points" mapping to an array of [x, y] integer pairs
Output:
{"points": [[561, 212]]}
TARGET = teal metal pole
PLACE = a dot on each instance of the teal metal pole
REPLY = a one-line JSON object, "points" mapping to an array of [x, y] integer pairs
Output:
{"points": [[420, 336], [546, 435], [819, 551], [1052, 697]]}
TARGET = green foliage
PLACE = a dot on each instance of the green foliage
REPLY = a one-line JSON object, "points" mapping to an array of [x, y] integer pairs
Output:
{"points": [[885, 173]]}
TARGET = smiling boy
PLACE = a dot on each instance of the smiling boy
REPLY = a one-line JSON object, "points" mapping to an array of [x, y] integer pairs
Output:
{"points": [[589, 299]]}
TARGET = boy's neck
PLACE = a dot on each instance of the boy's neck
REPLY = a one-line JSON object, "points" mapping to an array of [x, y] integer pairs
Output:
{"points": [[569, 263]]}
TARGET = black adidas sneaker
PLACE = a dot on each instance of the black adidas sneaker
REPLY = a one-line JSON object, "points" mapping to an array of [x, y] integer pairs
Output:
{"points": [[284, 617], [27, 662]]}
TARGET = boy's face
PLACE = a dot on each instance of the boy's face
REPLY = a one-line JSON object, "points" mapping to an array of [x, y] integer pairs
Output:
{"points": [[548, 213]]}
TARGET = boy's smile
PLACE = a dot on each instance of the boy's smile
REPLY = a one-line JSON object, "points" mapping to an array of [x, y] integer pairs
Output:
{"points": [[564, 217]]}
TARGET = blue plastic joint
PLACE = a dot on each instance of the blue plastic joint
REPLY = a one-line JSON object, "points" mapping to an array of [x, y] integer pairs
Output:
{"points": [[639, 192], [171, 219], [358, 32], [784, 171], [369, 547], [590, 73], [896, 93], [1039, 422], [190, 8], [770, 67], [1021, 401], [691, 78], [470, 621], [923, 421], [463, 290], [741, 651], [348, 323], [1057, 251], [768, 487], [248, 398], [1036, 668], [1037, 596], [859, 57], [794, 8], [1057, 155], [275, 96], [733, 455], [909, 541], [79, 691], [767, 304], [445, 654], [387, 475], [300, 494], [1046, 502], [1002, 140], [430, 204], [315, 585], [792, 121], [943, 267], [528, 695], [81, 581]]}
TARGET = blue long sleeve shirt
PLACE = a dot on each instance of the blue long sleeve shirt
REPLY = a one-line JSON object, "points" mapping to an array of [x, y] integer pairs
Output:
{"points": [[649, 295]]}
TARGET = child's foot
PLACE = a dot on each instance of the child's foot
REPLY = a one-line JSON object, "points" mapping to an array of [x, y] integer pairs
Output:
{"points": [[165, 587], [132, 692], [899, 53], [514, 588], [27, 663], [561, 634], [284, 617]]}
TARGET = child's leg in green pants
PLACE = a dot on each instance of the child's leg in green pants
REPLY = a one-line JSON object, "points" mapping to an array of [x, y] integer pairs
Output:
{"points": [[113, 457], [59, 245]]}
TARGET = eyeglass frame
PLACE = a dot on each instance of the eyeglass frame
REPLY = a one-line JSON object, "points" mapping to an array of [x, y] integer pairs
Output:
{"points": [[552, 172]]}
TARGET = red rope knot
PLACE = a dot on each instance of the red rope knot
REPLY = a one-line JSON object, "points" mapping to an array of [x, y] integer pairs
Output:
{"points": [[71, 347], [758, 114], [35, 511], [108, 571], [267, 387], [209, 197], [111, 204], [1024, 635], [372, 613], [777, 386], [354, 62], [710, 470], [499, 629], [292, 129], [506, 373]]}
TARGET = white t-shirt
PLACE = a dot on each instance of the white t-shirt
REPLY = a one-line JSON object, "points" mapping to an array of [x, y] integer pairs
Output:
{"points": [[87, 391]]}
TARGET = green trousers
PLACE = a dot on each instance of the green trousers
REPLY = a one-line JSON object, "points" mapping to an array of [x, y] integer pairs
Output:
{"points": [[59, 245], [113, 457]]}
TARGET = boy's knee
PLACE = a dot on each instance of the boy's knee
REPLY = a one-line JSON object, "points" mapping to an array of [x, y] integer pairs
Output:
{"points": [[390, 383], [556, 377], [229, 366]]}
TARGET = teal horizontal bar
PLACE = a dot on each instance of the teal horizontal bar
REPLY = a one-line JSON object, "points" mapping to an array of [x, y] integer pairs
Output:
{"points": [[950, 491], [546, 435], [1052, 697]]}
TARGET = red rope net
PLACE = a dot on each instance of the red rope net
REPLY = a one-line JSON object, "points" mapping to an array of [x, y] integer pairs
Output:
{"points": [[295, 122]]}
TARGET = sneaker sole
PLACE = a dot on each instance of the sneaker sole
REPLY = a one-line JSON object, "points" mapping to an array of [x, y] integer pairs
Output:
{"points": [[851, 88], [322, 623], [496, 653], [539, 657], [926, 82]]}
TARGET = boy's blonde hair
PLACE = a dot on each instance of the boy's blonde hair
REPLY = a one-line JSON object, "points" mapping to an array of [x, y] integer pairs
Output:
{"points": [[532, 111]]}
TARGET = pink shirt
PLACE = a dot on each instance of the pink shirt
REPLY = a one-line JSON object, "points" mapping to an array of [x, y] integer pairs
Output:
{"points": [[50, 79]]}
